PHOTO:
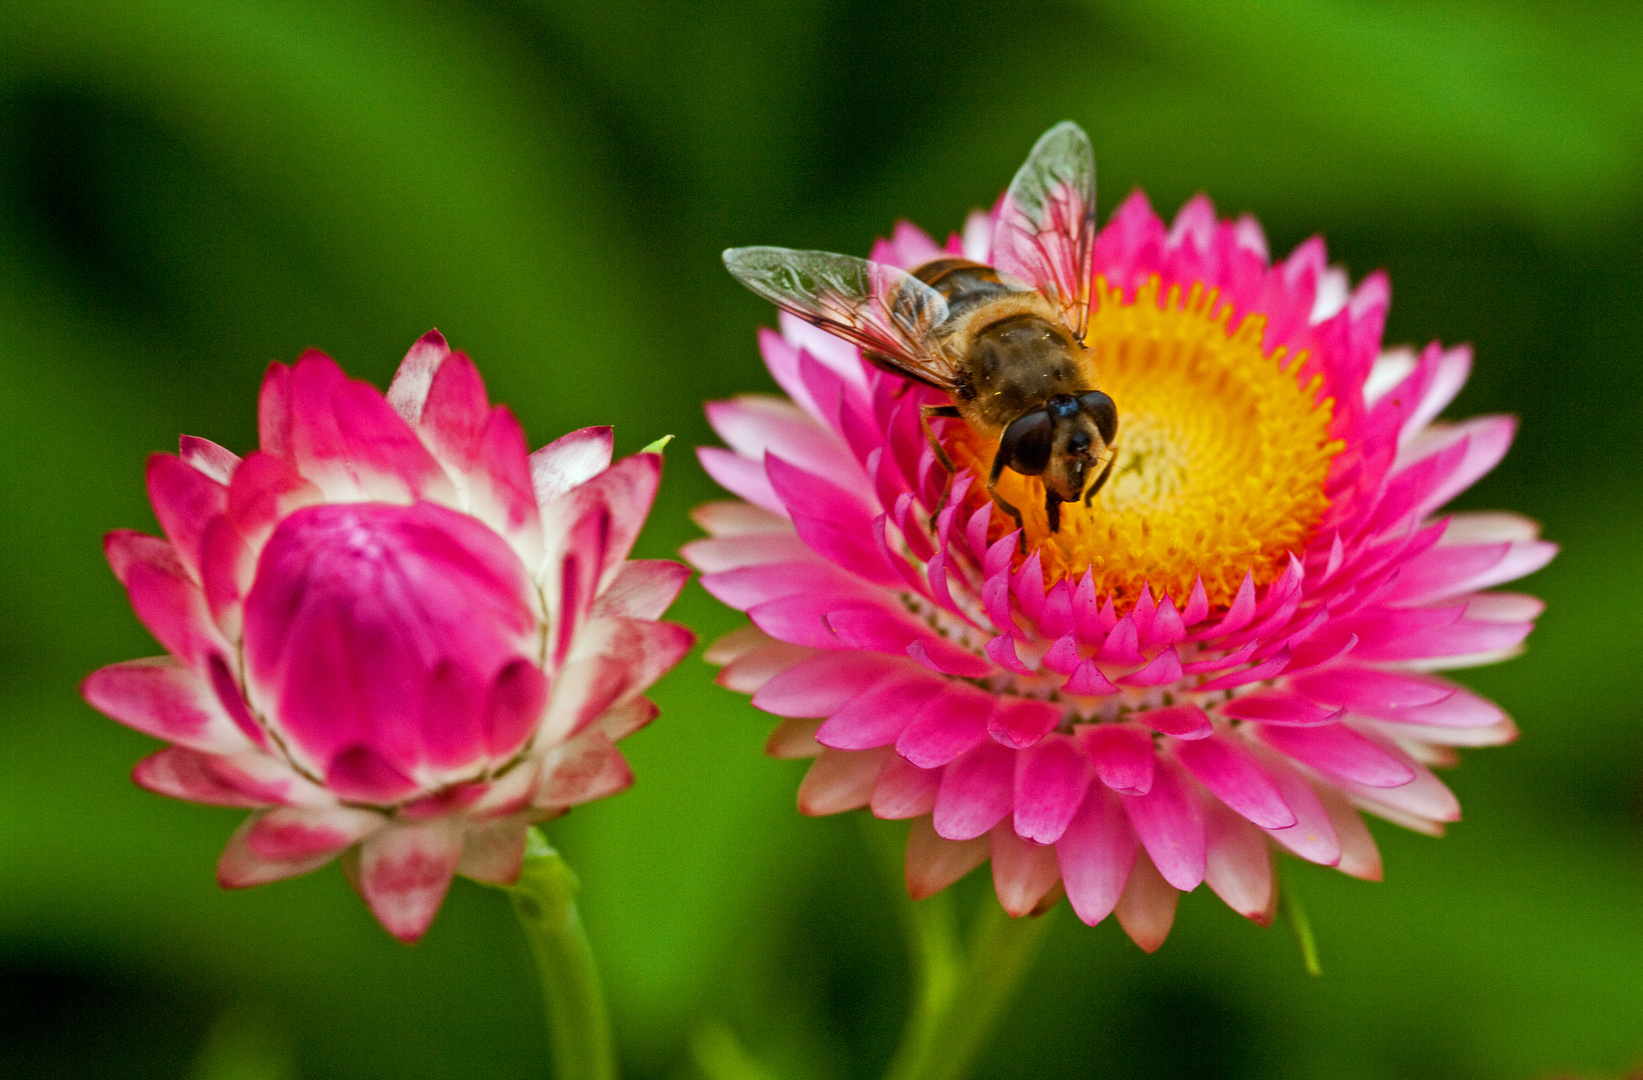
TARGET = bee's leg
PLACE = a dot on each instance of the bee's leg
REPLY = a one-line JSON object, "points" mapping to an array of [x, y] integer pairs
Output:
{"points": [[1052, 509], [1100, 480], [924, 414], [992, 489]]}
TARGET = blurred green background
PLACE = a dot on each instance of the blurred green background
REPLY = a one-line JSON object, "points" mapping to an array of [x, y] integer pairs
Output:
{"points": [[188, 190]]}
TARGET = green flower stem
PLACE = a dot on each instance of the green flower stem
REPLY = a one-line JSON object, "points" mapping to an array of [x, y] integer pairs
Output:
{"points": [[962, 988], [544, 898]]}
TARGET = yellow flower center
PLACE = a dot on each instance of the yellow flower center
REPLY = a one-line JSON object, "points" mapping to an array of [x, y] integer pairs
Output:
{"points": [[1221, 455]]}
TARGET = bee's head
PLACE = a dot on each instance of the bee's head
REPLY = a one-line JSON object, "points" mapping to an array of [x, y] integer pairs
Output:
{"points": [[1066, 442]]}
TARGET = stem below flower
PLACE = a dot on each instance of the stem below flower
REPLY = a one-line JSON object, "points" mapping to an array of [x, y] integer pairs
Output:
{"points": [[961, 991], [544, 898]]}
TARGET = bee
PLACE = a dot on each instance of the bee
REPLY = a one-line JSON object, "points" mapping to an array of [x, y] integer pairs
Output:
{"points": [[1005, 342]]}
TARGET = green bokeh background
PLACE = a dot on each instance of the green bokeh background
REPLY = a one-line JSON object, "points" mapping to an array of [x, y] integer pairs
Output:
{"points": [[190, 189]]}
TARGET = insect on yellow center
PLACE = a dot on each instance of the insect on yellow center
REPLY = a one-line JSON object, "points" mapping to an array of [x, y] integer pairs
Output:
{"points": [[1221, 457]]}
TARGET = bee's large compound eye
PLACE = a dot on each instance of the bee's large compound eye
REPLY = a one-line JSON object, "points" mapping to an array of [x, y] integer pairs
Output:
{"points": [[1100, 408], [1026, 444]]}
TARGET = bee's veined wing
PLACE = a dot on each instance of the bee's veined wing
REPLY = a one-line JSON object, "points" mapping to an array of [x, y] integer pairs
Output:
{"points": [[880, 308], [1046, 226]]}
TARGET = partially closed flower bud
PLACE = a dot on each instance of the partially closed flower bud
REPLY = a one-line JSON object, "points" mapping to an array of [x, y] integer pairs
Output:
{"points": [[391, 631]]}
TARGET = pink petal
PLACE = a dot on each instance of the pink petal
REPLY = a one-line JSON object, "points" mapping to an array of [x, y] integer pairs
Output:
{"points": [[950, 726], [934, 863], [1051, 781], [493, 852], [212, 460], [1232, 775], [409, 388], [1169, 820], [162, 698], [1096, 854], [903, 790], [292, 833], [1146, 910], [1359, 855], [976, 793], [1180, 721], [342, 435], [642, 589], [1239, 867], [588, 767], [733, 518], [164, 596], [877, 716], [612, 660], [1312, 837], [793, 739], [1122, 756], [1371, 690], [841, 780], [1280, 707], [714, 553], [822, 685], [405, 871], [1023, 872], [185, 501], [1021, 722], [1340, 752], [570, 461], [241, 868]]}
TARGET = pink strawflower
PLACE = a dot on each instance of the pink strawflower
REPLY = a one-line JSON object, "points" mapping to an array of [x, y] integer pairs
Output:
{"points": [[392, 632], [1230, 650]]}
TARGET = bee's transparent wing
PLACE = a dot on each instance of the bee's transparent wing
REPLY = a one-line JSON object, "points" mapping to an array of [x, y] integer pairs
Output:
{"points": [[1046, 227], [882, 309]]}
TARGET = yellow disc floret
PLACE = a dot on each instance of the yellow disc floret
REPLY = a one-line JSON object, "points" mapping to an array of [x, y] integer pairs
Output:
{"points": [[1221, 454]]}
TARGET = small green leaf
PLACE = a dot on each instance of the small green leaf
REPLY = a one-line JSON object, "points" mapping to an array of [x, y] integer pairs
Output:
{"points": [[656, 447], [1289, 905]]}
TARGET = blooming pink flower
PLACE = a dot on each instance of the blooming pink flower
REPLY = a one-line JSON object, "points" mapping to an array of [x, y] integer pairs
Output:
{"points": [[392, 632], [1230, 650]]}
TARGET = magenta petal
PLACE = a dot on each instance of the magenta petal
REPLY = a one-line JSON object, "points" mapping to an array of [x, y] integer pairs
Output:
{"points": [[1023, 872], [167, 600], [976, 792], [948, 727], [903, 790], [214, 461], [1313, 835], [1020, 722], [1340, 752], [1169, 820], [1280, 707], [185, 501], [288, 833], [1231, 775], [1161, 670], [642, 589], [877, 716], [1089, 681], [1122, 756], [569, 461], [612, 660], [250, 780], [162, 698], [1371, 690], [1238, 865], [1180, 721], [241, 868], [343, 436], [1051, 780], [822, 685], [360, 773], [1096, 854], [587, 767], [409, 390], [405, 871], [513, 709]]}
